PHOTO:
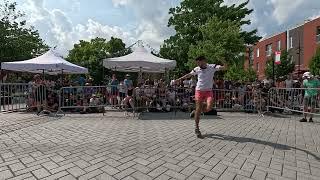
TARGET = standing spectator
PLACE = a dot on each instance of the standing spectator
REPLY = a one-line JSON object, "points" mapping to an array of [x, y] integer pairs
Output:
{"points": [[289, 82], [81, 81], [122, 91], [128, 82], [311, 94], [129, 85], [114, 90]]}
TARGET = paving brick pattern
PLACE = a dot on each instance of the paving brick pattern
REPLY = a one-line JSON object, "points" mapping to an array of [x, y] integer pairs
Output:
{"points": [[236, 147]]}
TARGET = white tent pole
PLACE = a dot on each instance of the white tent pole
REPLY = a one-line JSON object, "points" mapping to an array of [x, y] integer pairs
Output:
{"points": [[140, 75]]}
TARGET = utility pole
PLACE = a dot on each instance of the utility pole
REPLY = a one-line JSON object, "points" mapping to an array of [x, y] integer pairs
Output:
{"points": [[299, 52], [273, 72]]}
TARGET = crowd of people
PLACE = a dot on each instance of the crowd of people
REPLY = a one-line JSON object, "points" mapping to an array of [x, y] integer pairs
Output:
{"points": [[157, 95]]}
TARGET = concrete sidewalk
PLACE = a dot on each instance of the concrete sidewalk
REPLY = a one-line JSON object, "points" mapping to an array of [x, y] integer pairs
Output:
{"points": [[237, 146]]}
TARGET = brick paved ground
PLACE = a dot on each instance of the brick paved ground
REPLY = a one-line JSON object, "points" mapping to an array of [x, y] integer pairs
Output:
{"points": [[237, 146]]}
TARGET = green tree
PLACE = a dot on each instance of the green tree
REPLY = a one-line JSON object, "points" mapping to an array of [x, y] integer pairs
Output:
{"points": [[90, 54], [315, 63], [188, 20], [280, 70], [222, 43], [234, 73], [18, 41]]}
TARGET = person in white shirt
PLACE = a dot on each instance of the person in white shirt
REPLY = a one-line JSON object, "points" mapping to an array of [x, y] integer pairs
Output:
{"points": [[205, 73]]}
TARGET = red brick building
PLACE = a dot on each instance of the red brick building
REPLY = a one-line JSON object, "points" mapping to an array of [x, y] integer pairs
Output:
{"points": [[301, 42]]}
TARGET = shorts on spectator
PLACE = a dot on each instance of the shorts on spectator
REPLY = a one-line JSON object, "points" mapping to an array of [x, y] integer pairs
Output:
{"points": [[310, 101]]}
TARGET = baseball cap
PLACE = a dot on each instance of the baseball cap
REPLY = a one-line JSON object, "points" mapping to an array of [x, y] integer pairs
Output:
{"points": [[307, 75]]}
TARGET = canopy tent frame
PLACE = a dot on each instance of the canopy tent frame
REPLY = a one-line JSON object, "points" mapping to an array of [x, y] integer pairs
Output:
{"points": [[140, 61]]}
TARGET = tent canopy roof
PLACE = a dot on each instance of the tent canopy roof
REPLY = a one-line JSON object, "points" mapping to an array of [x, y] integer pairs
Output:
{"points": [[139, 60], [50, 63]]}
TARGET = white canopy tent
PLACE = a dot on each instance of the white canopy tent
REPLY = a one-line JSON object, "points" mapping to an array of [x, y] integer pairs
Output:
{"points": [[139, 61], [50, 63]]}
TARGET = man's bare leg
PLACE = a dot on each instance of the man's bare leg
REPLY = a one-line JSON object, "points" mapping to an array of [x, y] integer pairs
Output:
{"points": [[197, 118]]}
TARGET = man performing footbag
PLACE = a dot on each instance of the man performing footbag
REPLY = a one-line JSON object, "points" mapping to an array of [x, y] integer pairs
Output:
{"points": [[203, 93]]}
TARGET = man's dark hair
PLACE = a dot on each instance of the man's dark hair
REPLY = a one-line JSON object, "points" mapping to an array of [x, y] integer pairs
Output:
{"points": [[201, 58]]}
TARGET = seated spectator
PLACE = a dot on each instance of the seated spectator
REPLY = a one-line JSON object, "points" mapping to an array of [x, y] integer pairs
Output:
{"points": [[95, 105], [53, 103], [128, 102]]}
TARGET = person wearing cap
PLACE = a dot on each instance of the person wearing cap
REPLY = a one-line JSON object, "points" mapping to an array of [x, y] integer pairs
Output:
{"points": [[205, 73], [310, 95], [127, 81]]}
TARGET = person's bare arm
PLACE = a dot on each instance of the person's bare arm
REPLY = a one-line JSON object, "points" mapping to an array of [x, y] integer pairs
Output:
{"points": [[221, 68], [187, 76]]}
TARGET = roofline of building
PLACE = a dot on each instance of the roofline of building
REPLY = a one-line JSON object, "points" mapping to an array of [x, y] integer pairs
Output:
{"points": [[289, 29], [263, 39]]}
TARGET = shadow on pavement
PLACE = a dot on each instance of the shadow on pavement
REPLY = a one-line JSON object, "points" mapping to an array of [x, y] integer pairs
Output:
{"points": [[257, 141]]}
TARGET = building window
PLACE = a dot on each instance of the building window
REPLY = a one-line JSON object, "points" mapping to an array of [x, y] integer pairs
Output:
{"points": [[251, 57], [279, 46], [318, 34], [258, 52], [257, 67], [269, 49], [291, 42]]}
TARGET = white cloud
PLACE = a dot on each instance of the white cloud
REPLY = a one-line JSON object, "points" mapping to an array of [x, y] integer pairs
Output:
{"points": [[152, 19], [283, 9], [58, 30]]}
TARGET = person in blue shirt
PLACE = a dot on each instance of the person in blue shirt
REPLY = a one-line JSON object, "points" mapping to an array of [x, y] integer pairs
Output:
{"points": [[128, 82], [114, 89], [82, 81]]}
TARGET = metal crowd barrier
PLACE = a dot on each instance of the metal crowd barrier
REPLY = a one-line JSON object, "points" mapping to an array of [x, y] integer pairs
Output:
{"points": [[84, 99], [98, 99], [238, 100], [13, 97], [294, 100], [17, 97]]}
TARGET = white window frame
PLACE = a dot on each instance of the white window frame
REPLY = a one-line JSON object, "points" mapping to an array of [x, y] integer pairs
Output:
{"points": [[269, 50], [279, 45], [318, 35], [291, 42], [258, 52]]}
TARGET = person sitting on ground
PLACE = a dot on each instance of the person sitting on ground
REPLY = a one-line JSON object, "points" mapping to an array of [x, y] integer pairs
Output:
{"points": [[95, 104], [128, 102]]}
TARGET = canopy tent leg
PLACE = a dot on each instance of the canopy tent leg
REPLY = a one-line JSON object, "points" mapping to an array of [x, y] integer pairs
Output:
{"points": [[140, 76]]}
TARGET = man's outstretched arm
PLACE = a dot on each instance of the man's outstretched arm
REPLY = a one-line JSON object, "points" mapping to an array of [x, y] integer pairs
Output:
{"points": [[187, 76]]}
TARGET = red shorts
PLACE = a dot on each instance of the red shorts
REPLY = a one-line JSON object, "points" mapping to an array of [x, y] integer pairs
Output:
{"points": [[204, 96]]}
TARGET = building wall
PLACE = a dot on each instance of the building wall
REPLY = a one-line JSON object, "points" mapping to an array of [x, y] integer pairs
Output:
{"points": [[310, 41], [296, 33], [261, 61]]}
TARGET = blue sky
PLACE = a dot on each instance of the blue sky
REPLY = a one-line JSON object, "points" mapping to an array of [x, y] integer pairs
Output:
{"points": [[62, 23]]}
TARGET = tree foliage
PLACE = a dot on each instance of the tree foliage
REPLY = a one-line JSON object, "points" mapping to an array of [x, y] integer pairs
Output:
{"points": [[315, 63], [18, 41], [90, 54], [238, 74], [280, 70], [221, 44], [188, 20]]}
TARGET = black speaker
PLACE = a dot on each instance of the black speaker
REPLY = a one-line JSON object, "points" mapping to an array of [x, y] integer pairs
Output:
{"points": [[213, 112]]}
